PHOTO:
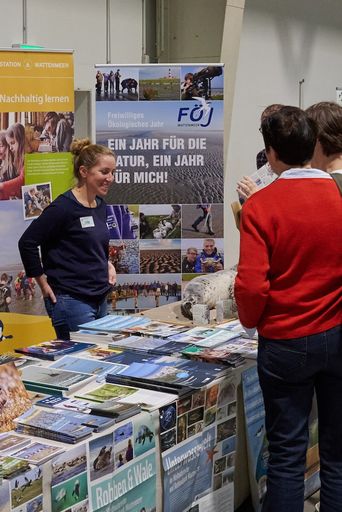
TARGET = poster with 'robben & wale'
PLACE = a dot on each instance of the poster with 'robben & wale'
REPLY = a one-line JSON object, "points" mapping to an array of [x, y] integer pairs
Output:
{"points": [[165, 125]]}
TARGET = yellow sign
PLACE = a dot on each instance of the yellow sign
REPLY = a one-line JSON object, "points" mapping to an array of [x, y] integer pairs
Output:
{"points": [[24, 330], [36, 81]]}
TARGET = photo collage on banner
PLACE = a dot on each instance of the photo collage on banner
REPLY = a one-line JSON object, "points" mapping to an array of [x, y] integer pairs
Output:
{"points": [[198, 445], [165, 207], [36, 129]]}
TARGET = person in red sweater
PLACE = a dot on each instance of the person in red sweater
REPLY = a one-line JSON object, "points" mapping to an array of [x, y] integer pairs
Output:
{"points": [[289, 287]]}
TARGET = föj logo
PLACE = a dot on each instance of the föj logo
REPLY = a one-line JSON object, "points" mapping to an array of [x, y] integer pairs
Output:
{"points": [[200, 114]]}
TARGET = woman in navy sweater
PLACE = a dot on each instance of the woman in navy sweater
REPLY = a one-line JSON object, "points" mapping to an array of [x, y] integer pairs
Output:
{"points": [[73, 271]]}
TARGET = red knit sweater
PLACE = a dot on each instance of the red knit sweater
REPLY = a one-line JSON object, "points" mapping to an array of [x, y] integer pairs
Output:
{"points": [[12, 187], [289, 281]]}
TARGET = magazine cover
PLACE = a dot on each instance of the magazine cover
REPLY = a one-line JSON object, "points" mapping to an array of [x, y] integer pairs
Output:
{"points": [[97, 423], [55, 378], [101, 353], [150, 345], [118, 410], [9, 441], [62, 402], [114, 323], [38, 453], [54, 423], [14, 399], [232, 325], [171, 371], [109, 395], [216, 339], [210, 337], [246, 347], [219, 355], [128, 357], [171, 348], [94, 336], [54, 349], [82, 365], [161, 329], [9, 357], [11, 466]]}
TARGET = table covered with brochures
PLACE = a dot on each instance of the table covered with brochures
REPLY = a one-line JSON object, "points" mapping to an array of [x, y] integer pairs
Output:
{"points": [[131, 415]]}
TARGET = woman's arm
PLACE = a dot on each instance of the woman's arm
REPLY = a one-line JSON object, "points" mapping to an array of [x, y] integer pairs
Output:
{"points": [[45, 288], [47, 226], [111, 273]]}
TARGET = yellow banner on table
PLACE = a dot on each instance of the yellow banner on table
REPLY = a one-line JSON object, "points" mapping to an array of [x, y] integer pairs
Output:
{"points": [[36, 81]]}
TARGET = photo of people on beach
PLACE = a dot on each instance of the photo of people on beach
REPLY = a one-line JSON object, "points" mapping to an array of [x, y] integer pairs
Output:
{"points": [[143, 291], [115, 83]]}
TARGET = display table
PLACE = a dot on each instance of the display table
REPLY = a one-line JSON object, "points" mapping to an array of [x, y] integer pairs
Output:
{"points": [[197, 453], [172, 313], [182, 455]]}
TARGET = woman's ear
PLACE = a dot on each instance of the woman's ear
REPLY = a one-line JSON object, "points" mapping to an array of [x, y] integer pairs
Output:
{"points": [[83, 171], [276, 164]]}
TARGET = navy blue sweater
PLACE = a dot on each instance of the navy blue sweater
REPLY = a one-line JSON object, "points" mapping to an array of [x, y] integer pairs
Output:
{"points": [[74, 248]]}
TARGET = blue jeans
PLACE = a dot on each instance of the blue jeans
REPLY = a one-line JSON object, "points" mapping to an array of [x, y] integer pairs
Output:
{"points": [[68, 313], [289, 373]]}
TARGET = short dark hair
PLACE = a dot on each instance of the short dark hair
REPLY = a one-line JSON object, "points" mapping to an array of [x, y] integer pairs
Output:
{"points": [[328, 117], [292, 135], [270, 109]]}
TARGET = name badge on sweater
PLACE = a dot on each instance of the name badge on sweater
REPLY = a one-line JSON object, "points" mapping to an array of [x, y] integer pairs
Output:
{"points": [[87, 222]]}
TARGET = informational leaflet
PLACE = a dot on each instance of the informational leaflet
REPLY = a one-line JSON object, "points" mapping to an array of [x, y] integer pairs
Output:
{"points": [[122, 467], [197, 440]]}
